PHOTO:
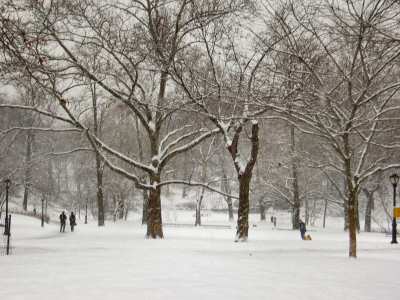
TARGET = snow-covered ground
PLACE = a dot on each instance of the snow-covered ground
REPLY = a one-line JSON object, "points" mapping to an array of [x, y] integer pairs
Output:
{"points": [[116, 262]]}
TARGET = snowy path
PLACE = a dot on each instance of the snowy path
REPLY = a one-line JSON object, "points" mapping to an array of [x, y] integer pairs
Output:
{"points": [[115, 262]]}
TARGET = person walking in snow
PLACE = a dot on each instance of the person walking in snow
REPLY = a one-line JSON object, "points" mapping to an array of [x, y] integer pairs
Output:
{"points": [[72, 221], [302, 227], [63, 219]]}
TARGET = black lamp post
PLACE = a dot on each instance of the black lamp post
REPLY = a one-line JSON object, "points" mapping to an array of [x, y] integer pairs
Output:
{"points": [[8, 183], [394, 179]]}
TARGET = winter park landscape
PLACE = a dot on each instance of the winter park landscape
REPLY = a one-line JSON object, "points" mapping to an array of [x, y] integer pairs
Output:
{"points": [[115, 262], [208, 149]]}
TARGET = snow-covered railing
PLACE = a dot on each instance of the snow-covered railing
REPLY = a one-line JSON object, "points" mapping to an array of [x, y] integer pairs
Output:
{"points": [[30, 214], [215, 226]]}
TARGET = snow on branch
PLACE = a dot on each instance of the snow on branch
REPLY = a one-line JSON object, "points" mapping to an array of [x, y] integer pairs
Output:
{"points": [[35, 109], [282, 194], [40, 129], [188, 146], [69, 152], [138, 183], [375, 170], [119, 155], [207, 186], [240, 164], [163, 150]]}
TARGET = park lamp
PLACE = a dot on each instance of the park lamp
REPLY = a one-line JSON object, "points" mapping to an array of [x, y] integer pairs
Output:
{"points": [[8, 183], [394, 179]]}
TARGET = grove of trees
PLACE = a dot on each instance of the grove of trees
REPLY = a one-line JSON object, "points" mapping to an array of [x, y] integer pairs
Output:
{"points": [[289, 104]]}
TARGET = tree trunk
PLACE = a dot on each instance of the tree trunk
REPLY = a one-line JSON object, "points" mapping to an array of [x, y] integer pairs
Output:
{"points": [[230, 209], [346, 214], [296, 196], [28, 168], [352, 194], [185, 174], [126, 209], [121, 206], [352, 224], [325, 210], [154, 220], [100, 195], [58, 179], [368, 209], [227, 189], [154, 217], [262, 209], [244, 177], [99, 165], [244, 206], [115, 208], [357, 212], [200, 200], [261, 203], [79, 191], [346, 207], [50, 175], [145, 206], [198, 209], [307, 211], [368, 212]]}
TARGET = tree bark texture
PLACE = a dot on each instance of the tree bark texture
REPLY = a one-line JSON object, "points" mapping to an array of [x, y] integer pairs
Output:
{"points": [[154, 219], [99, 166], [352, 224], [352, 195], [244, 207], [244, 177]]}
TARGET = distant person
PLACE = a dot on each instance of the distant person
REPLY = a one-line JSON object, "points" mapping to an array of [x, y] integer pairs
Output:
{"points": [[72, 221], [34, 211], [63, 219], [303, 230], [274, 221]]}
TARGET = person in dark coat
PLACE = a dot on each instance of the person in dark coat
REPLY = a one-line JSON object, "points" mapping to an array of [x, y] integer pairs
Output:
{"points": [[302, 227], [72, 221], [63, 219]]}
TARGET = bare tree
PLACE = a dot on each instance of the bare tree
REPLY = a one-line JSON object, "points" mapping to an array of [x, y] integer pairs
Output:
{"points": [[349, 106], [135, 46], [220, 84]]}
